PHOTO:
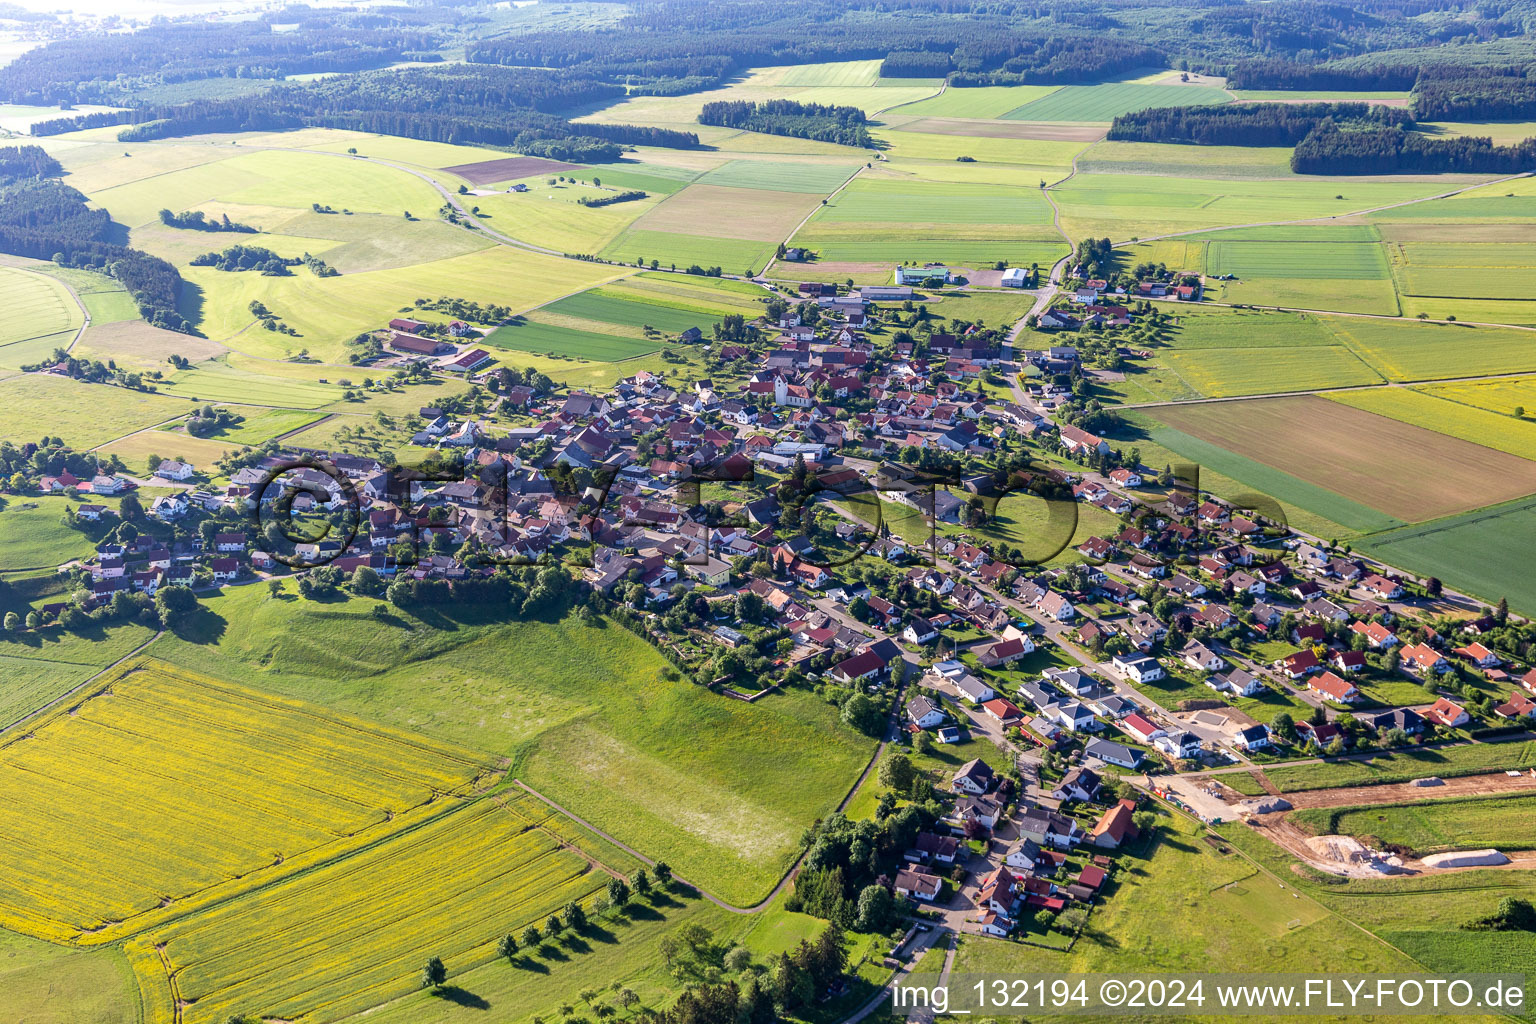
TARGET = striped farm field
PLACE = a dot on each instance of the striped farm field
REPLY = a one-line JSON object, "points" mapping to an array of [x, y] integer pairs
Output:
{"points": [[528, 335], [354, 932], [1478, 553], [1404, 471], [1107, 102], [1404, 350], [1467, 411], [163, 790], [615, 308], [1466, 270], [34, 306]]}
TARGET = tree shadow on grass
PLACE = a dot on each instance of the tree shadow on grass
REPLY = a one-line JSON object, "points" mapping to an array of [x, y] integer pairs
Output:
{"points": [[461, 997], [636, 911], [549, 951], [597, 933], [528, 963], [200, 626]]}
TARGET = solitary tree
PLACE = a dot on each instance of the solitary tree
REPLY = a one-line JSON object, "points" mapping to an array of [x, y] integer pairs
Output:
{"points": [[434, 973], [575, 916], [618, 892], [531, 936], [552, 927], [663, 873], [507, 946], [642, 882]]}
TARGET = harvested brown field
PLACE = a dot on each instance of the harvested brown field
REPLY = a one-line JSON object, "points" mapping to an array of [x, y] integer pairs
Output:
{"points": [[508, 168], [1403, 470], [722, 211], [1007, 129]]}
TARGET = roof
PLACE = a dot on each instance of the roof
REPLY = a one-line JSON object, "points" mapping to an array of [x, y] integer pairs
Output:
{"points": [[1116, 822], [976, 770]]}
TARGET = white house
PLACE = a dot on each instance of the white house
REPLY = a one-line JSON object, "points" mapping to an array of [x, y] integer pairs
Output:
{"points": [[1143, 668], [170, 469]]}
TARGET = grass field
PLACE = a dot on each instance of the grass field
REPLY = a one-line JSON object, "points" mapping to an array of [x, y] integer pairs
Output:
{"points": [[1410, 473], [84, 415], [328, 311], [1474, 552], [275, 785], [354, 933], [779, 177], [218, 381], [888, 221], [33, 533], [38, 667], [589, 718], [1107, 102], [1405, 766], [549, 215], [549, 339], [984, 102], [619, 308], [42, 982], [1229, 372], [263, 425], [1326, 274], [1187, 161], [1127, 206], [1430, 826], [1421, 916]]}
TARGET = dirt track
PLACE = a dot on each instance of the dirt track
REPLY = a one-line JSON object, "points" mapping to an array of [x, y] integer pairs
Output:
{"points": [[1334, 857]]}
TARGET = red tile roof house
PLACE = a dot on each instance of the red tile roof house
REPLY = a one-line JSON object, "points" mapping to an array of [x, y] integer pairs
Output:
{"points": [[1115, 827], [1479, 655], [1299, 665], [1447, 713], [1002, 709], [1141, 729], [1333, 688], [1425, 659]]}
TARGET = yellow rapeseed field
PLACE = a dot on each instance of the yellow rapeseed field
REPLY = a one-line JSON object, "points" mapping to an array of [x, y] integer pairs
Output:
{"points": [[163, 791], [354, 932]]}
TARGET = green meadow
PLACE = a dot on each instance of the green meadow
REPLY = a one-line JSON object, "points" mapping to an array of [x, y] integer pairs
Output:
{"points": [[1479, 552], [550, 339], [591, 718], [1107, 102]]}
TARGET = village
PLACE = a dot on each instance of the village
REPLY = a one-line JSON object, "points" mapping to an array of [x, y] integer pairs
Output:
{"points": [[823, 523]]}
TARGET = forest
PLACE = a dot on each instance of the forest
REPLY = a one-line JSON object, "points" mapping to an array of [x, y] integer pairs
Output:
{"points": [[1248, 124], [1474, 94], [1328, 149], [842, 125], [44, 219], [112, 67], [457, 103]]}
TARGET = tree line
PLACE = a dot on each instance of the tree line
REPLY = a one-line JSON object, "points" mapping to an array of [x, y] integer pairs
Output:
{"points": [[197, 220], [1247, 124], [44, 219], [1329, 149], [841, 125], [1278, 73]]}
